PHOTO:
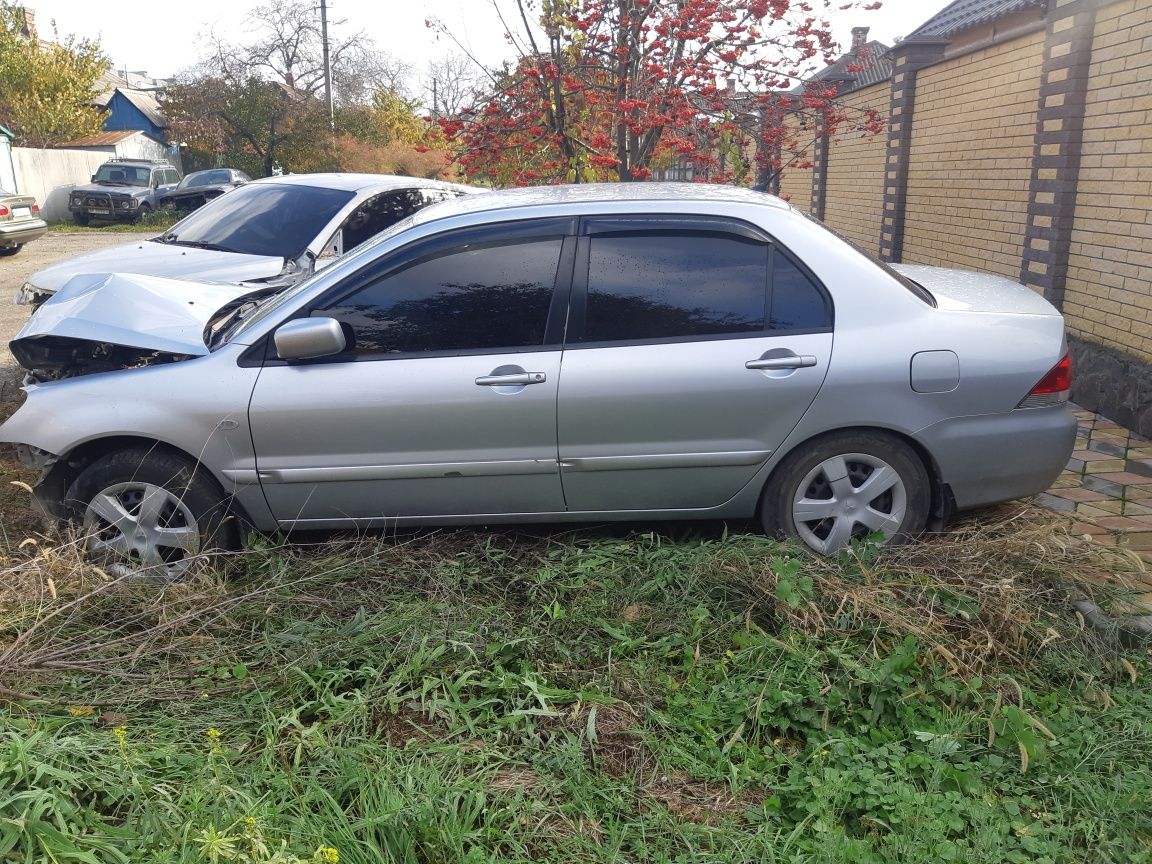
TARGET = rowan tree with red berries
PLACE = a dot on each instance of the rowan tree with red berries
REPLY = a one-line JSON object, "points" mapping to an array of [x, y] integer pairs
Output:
{"points": [[611, 89]]}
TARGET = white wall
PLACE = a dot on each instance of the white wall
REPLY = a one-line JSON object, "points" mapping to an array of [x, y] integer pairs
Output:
{"points": [[51, 174], [7, 172]]}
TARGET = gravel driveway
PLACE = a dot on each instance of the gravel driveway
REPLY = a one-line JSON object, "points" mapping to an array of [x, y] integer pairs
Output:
{"points": [[13, 271]]}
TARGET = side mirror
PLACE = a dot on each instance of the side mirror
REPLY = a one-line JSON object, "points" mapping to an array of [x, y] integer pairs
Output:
{"points": [[308, 338]]}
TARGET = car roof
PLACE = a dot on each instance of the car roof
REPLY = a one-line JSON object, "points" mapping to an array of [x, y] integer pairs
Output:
{"points": [[363, 182], [598, 193]]}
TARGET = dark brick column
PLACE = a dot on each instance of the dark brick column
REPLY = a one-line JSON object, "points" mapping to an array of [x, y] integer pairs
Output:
{"points": [[821, 149], [908, 58], [1057, 148]]}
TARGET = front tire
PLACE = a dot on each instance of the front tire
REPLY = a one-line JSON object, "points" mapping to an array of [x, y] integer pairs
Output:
{"points": [[846, 486], [9, 251], [150, 511], [143, 213], [81, 219]]}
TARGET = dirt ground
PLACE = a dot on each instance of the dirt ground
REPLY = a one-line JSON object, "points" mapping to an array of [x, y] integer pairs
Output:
{"points": [[15, 270]]}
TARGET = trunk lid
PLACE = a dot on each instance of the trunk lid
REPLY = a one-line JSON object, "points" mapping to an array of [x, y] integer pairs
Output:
{"points": [[968, 291]]}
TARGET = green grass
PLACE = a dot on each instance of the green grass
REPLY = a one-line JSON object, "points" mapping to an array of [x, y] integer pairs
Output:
{"points": [[593, 696], [153, 222]]}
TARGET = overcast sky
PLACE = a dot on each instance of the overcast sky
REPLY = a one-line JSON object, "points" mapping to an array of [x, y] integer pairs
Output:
{"points": [[160, 39]]}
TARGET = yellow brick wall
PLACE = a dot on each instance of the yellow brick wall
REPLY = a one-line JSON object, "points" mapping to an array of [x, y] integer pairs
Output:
{"points": [[971, 158], [795, 182], [855, 190], [1109, 291]]}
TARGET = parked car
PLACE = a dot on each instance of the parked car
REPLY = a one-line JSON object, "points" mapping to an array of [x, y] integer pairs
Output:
{"points": [[598, 352], [123, 190], [270, 233], [200, 187], [20, 222]]}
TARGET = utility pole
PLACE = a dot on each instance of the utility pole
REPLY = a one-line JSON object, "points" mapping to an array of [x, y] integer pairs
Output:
{"points": [[327, 65]]}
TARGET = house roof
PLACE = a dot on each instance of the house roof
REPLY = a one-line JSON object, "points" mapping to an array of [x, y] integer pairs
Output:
{"points": [[105, 139], [145, 103], [867, 65], [962, 14]]}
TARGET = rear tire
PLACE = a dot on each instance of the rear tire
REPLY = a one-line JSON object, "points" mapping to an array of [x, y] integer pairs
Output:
{"points": [[150, 511], [844, 487]]}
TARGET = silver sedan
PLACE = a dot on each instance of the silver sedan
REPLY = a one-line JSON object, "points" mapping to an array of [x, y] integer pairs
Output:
{"points": [[597, 352]]}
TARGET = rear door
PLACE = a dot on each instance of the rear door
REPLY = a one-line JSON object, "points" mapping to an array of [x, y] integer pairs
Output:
{"points": [[694, 347]]}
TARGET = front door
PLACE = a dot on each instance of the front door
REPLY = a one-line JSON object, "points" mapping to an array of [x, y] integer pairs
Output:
{"points": [[444, 404], [695, 347]]}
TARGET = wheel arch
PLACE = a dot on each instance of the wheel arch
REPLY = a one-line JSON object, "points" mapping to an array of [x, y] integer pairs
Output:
{"points": [[943, 504], [53, 487]]}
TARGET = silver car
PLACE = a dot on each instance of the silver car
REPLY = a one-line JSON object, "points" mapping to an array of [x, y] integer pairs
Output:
{"points": [[271, 233], [595, 352]]}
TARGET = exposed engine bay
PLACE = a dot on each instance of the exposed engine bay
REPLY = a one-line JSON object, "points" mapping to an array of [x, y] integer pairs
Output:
{"points": [[110, 322]]}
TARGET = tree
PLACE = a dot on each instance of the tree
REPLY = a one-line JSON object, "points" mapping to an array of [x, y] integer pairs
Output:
{"points": [[606, 89], [450, 83], [47, 89], [257, 123]]}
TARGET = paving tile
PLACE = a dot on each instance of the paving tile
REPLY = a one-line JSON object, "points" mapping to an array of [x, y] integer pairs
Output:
{"points": [[1139, 466], [1137, 493], [1104, 449], [1090, 528], [1107, 466], [1111, 505], [1097, 455], [1067, 480], [1124, 478], [1088, 511], [1141, 452], [1075, 465], [1079, 493], [1132, 508], [1098, 484], [1062, 505], [1123, 523], [1137, 541]]}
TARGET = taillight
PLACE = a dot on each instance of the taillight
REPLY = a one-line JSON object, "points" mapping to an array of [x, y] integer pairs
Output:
{"points": [[3, 211], [1053, 388], [35, 208]]}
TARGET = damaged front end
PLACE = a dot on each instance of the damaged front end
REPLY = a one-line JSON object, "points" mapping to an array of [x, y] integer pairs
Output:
{"points": [[51, 358], [110, 322]]}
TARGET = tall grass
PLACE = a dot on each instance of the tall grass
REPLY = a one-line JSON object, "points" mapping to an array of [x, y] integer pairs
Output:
{"points": [[470, 697]]}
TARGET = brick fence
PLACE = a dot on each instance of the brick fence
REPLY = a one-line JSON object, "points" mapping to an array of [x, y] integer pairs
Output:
{"points": [[1024, 150]]}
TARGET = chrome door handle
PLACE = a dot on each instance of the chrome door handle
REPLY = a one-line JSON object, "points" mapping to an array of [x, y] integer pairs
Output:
{"points": [[512, 380], [801, 361]]}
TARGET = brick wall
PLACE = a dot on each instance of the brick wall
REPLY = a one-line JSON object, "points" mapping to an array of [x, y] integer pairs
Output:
{"points": [[796, 183], [856, 172], [1108, 297], [970, 159]]}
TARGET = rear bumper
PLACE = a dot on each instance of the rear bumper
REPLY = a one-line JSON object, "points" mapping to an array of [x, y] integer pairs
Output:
{"points": [[19, 233], [997, 457]]}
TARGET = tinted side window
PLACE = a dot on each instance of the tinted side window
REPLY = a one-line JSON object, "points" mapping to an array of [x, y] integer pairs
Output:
{"points": [[797, 302], [669, 284], [474, 297]]}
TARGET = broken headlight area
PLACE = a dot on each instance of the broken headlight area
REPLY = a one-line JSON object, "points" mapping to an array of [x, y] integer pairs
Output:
{"points": [[51, 358]]}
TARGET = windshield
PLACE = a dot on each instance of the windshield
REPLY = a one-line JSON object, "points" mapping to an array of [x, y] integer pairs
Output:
{"points": [[123, 175], [206, 178], [251, 317], [277, 220]]}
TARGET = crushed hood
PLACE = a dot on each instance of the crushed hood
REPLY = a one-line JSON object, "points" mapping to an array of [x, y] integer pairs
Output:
{"points": [[160, 259], [968, 291], [131, 311]]}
